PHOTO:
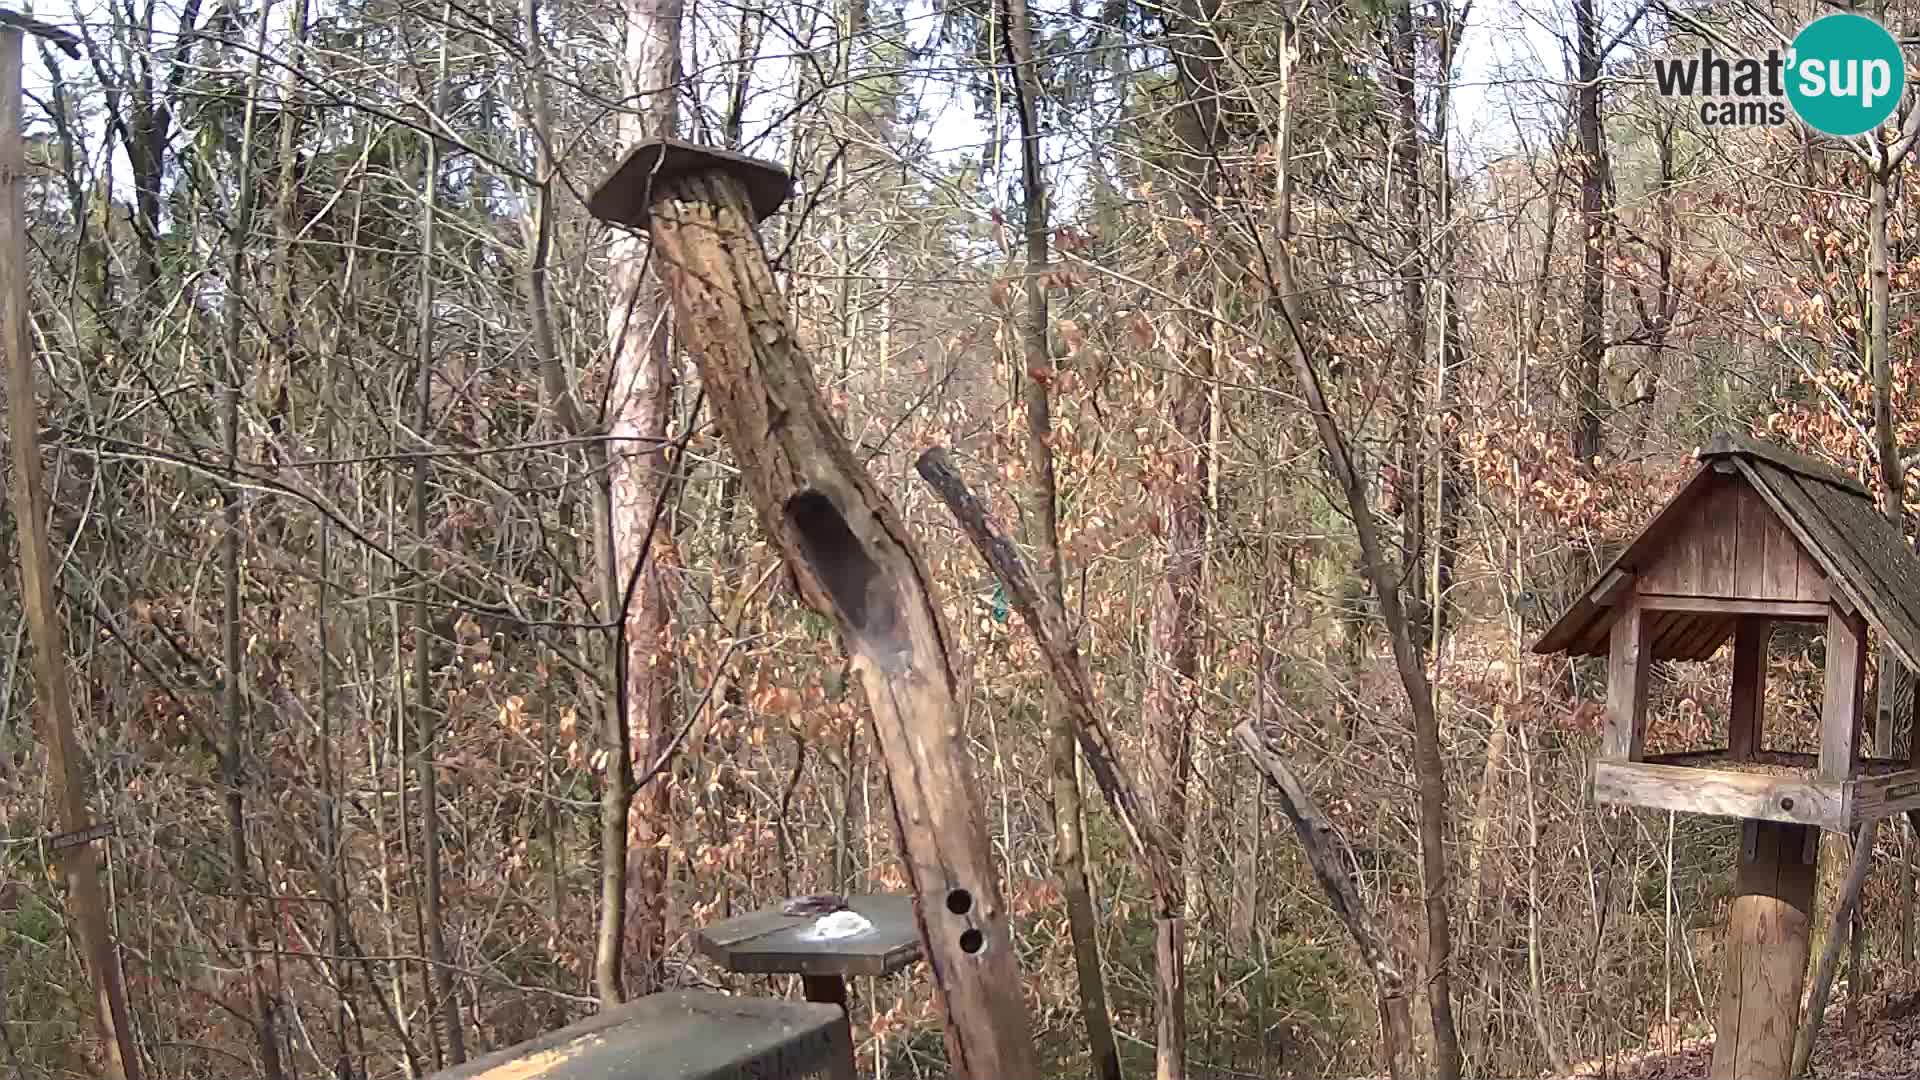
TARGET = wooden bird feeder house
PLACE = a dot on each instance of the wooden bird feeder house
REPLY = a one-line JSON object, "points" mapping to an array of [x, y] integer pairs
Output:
{"points": [[1757, 536]]}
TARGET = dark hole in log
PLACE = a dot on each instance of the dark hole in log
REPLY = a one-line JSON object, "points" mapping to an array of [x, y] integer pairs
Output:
{"points": [[959, 901], [972, 941], [842, 564], [1786, 804]]}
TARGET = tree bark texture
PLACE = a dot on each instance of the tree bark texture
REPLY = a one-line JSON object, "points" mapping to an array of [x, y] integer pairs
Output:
{"points": [[634, 883], [1174, 631], [1837, 923], [852, 556]]}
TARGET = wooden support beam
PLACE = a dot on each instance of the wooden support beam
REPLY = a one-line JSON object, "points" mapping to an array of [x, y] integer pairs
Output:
{"points": [[852, 557], [53, 712], [1785, 610], [1840, 707], [1627, 685], [1768, 938], [1875, 797], [1722, 792], [1747, 719], [1616, 584]]}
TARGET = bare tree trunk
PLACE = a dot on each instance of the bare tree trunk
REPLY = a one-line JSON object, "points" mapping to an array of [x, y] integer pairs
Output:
{"points": [[1412, 271], [446, 1004], [1174, 630], [1044, 533], [1593, 274], [634, 868], [233, 683], [1429, 767], [53, 715]]}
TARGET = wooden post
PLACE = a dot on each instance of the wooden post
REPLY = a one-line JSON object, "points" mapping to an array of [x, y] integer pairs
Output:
{"points": [[1768, 939], [1627, 684], [1746, 721], [54, 717], [851, 556], [1840, 708]]}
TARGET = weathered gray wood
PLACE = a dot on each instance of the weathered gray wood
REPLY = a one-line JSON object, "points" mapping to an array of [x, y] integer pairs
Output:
{"points": [[1789, 799], [1768, 928], [1718, 541], [680, 1036], [771, 943], [1746, 720], [1842, 702], [854, 559], [1876, 797], [1612, 586], [1627, 685]]}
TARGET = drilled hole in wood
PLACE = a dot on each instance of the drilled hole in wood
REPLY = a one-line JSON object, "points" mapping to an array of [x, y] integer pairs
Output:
{"points": [[842, 564], [972, 941], [959, 901], [1786, 804]]}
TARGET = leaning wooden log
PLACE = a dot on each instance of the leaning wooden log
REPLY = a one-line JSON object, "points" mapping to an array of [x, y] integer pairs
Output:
{"points": [[1146, 834], [1323, 854], [1049, 628], [1837, 924], [852, 558]]}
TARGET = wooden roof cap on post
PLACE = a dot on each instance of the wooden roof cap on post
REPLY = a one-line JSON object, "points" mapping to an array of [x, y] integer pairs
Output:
{"points": [[626, 195], [1832, 518]]}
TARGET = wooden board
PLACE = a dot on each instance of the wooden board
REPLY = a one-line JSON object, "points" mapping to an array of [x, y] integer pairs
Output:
{"points": [[1875, 797], [1840, 707], [770, 943], [1627, 685], [1769, 937], [1746, 722], [1730, 544], [1793, 800], [679, 1036]]}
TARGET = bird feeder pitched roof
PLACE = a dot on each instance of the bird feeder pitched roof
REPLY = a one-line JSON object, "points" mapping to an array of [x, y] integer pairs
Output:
{"points": [[1765, 529]]}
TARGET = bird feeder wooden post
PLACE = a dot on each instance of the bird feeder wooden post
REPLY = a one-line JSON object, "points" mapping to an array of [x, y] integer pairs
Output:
{"points": [[851, 556], [53, 712], [1757, 536]]}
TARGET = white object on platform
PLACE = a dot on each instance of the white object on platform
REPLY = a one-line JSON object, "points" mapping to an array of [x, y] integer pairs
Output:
{"points": [[840, 924]]}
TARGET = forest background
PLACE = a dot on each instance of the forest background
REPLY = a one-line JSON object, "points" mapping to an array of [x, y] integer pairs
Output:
{"points": [[1321, 352]]}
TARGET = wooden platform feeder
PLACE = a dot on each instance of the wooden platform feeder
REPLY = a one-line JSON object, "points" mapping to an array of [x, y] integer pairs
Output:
{"points": [[1757, 536]]}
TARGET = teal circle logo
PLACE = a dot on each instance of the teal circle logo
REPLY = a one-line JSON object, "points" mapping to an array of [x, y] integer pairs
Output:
{"points": [[1847, 74]]}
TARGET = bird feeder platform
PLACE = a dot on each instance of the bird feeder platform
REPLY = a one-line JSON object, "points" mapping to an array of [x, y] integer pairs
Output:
{"points": [[681, 1036], [772, 942], [1757, 536]]}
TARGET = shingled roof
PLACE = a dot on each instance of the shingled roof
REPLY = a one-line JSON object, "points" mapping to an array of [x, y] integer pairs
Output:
{"points": [[1832, 517]]}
